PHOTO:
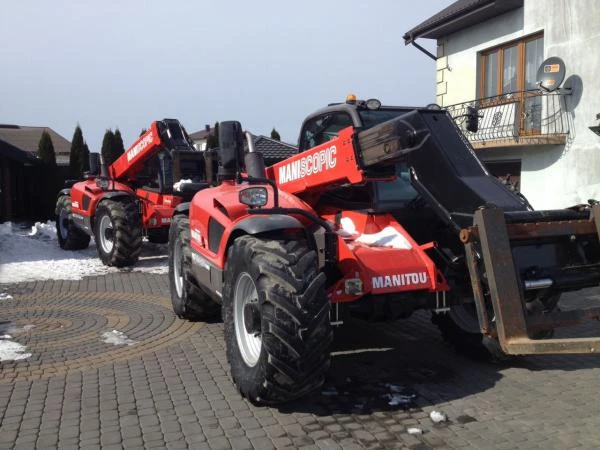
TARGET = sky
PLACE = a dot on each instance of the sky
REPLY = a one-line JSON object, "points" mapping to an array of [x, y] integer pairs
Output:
{"points": [[123, 64]]}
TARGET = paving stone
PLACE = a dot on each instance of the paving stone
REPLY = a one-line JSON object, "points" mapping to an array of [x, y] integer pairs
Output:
{"points": [[173, 389]]}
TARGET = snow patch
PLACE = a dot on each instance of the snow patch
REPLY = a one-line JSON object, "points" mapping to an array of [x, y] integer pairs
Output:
{"points": [[388, 237], [438, 416], [5, 296], [23, 329], [347, 227], [32, 253], [116, 337], [399, 399], [178, 186], [12, 351], [414, 430]]}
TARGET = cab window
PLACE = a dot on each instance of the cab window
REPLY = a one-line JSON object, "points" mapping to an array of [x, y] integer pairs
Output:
{"points": [[322, 129]]}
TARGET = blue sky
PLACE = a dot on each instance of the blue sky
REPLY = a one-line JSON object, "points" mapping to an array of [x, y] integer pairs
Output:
{"points": [[265, 63]]}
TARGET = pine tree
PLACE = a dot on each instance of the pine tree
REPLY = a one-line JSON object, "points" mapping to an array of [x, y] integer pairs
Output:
{"points": [[76, 155], [107, 146], [49, 176], [275, 135], [118, 148], [46, 149], [212, 141], [84, 160]]}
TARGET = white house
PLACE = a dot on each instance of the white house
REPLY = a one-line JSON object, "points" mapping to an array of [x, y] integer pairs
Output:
{"points": [[488, 56]]}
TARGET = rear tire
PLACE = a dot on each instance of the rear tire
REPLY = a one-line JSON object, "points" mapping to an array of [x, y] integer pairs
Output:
{"points": [[189, 302], [69, 236], [118, 232], [276, 318]]}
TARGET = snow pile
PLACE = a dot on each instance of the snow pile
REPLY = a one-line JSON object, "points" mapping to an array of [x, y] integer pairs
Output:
{"points": [[179, 185], [32, 253], [414, 430], [116, 337], [10, 350], [396, 397], [437, 416], [388, 237], [45, 231], [5, 296]]}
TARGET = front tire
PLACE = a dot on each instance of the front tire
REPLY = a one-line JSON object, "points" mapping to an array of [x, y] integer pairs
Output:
{"points": [[276, 318], [189, 302], [69, 236], [118, 232]]}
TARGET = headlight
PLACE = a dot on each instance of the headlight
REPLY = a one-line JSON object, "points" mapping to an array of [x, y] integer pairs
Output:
{"points": [[254, 196]]}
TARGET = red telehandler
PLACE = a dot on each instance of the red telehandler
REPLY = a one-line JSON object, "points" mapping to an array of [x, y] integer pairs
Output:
{"points": [[384, 210], [132, 197]]}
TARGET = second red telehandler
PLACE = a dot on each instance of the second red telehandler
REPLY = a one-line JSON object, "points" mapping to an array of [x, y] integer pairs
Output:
{"points": [[131, 198]]}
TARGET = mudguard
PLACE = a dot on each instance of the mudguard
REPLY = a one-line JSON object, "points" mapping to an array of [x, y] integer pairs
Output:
{"points": [[66, 191], [261, 224]]}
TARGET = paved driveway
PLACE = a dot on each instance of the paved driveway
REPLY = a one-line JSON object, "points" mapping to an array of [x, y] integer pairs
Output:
{"points": [[171, 387]]}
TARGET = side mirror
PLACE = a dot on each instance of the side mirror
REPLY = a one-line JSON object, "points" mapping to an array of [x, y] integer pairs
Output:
{"points": [[231, 149], [94, 159], [472, 119]]}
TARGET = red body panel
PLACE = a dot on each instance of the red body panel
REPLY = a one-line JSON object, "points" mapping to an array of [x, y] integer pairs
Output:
{"points": [[132, 161], [222, 204], [383, 255], [157, 209]]}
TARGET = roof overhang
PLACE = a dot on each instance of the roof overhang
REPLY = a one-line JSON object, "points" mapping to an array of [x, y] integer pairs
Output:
{"points": [[11, 152], [458, 16]]}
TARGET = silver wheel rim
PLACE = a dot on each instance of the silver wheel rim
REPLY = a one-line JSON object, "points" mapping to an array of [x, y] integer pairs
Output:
{"points": [[178, 268], [63, 223], [106, 232], [249, 344]]}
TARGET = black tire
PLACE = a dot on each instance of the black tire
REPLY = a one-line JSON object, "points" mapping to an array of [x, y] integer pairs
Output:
{"points": [[158, 235], [288, 315], [69, 236], [189, 302], [118, 232], [458, 328]]}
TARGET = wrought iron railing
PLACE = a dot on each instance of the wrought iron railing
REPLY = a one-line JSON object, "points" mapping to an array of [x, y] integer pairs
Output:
{"points": [[515, 117]]}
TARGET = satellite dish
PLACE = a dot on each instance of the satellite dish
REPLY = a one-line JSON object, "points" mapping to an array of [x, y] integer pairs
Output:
{"points": [[551, 74]]}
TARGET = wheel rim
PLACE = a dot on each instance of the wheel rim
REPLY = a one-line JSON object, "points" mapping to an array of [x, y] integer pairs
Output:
{"points": [[178, 268], [63, 223], [249, 344], [106, 233]]}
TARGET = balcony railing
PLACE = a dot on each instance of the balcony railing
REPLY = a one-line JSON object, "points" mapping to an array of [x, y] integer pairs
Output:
{"points": [[517, 118]]}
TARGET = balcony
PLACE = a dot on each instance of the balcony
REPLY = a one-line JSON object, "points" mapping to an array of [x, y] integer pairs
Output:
{"points": [[516, 119]]}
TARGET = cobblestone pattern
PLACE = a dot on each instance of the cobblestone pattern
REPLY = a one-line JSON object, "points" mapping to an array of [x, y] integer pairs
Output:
{"points": [[176, 393]]}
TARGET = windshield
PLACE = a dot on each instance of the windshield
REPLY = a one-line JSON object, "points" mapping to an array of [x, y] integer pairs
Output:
{"points": [[372, 117]]}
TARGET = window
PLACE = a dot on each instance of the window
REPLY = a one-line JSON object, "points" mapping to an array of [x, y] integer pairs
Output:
{"points": [[511, 67], [323, 129]]}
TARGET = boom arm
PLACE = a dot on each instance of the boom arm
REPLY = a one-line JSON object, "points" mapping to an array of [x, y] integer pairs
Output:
{"points": [[352, 157], [166, 134]]}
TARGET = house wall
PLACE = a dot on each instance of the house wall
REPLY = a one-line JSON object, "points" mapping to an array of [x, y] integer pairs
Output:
{"points": [[552, 176]]}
